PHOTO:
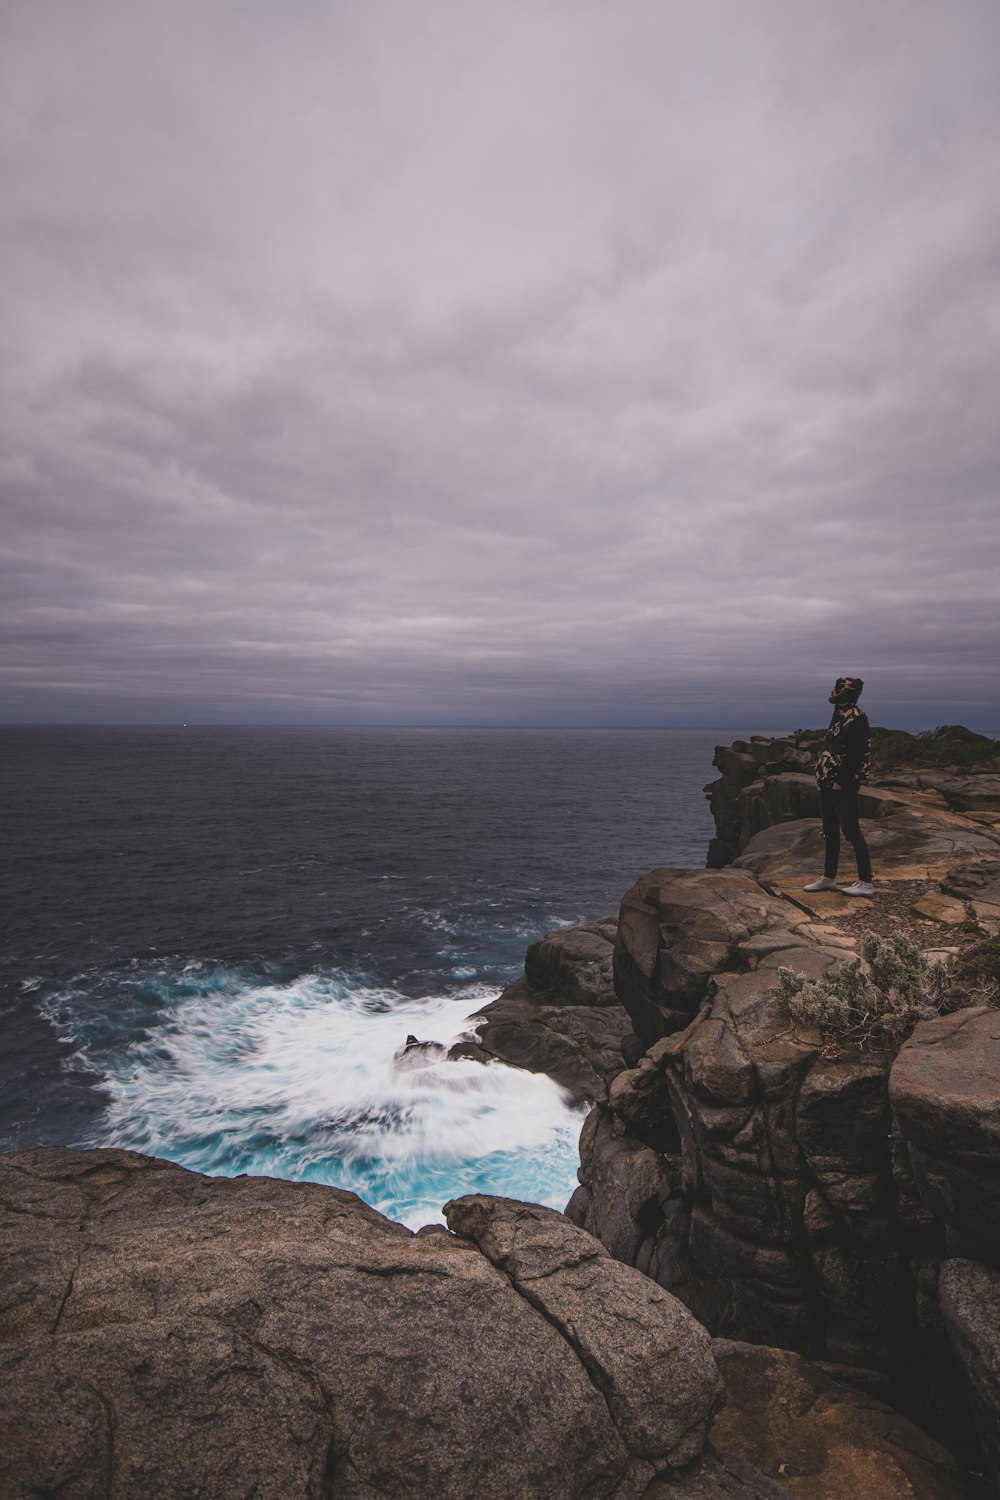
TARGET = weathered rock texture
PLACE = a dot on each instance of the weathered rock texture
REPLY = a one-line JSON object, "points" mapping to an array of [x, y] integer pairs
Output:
{"points": [[765, 1178], [739, 1164], [563, 1018], [821, 1439], [166, 1334], [970, 1301], [945, 1092], [764, 782]]}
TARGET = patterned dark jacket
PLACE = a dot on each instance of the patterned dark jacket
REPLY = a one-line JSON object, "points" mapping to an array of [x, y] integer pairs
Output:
{"points": [[845, 754]]}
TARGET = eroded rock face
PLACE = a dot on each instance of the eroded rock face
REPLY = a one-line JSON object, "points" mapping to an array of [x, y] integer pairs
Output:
{"points": [[945, 1091], [740, 1164], [678, 928], [166, 1334], [823, 1440]]}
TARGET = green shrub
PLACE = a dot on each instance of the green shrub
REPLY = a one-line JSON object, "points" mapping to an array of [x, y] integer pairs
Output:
{"points": [[876, 999]]}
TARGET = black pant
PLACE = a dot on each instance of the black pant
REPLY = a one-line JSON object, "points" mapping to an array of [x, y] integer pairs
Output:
{"points": [[840, 811]]}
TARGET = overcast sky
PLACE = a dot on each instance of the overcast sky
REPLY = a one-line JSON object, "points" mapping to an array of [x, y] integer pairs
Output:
{"points": [[499, 361]]}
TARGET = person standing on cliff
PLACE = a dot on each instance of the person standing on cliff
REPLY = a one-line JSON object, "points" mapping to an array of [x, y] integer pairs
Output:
{"points": [[840, 770]]}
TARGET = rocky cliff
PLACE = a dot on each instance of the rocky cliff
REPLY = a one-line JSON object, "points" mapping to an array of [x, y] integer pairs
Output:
{"points": [[785, 1244], [790, 1188]]}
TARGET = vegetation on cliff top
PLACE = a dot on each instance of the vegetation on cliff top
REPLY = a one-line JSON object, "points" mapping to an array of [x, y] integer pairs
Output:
{"points": [[877, 999]]}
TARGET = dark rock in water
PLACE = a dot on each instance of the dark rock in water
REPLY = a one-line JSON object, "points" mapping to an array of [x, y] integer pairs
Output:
{"points": [[821, 1439], [970, 1302], [945, 1092], [168, 1334], [416, 1054], [578, 1046]]}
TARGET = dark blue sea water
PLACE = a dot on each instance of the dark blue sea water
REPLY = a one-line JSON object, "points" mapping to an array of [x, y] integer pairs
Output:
{"points": [[216, 940]]}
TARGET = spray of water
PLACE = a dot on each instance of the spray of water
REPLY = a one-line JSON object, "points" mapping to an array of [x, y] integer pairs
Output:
{"points": [[313, 1080]]}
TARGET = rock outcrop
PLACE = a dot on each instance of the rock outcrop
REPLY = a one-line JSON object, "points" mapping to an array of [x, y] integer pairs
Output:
{"points": [[792, 1192], [740, 1164], [163, 1333], [563, 1018], [766, 783]]}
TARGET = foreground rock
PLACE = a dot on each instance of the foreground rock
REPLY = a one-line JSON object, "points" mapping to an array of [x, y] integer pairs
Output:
{"points": [[163, 1333], [563, 1018]]}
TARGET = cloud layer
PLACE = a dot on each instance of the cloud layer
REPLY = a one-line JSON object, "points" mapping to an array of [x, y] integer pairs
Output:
{"points": [[488, 362]]}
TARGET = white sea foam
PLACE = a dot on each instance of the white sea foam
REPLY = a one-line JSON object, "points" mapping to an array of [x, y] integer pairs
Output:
{"points": [[311, 1080]]}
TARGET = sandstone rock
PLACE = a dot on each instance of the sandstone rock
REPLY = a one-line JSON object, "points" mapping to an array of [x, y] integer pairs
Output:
{"points": [[676, 929], [945, 1091], [166, 1334], [970, 1302], [978, 880], [791, 1216], [820, 1439], [659, 1381], [907, 843], [935, 906]]}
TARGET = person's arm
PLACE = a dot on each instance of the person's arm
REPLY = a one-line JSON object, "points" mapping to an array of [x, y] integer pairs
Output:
{"points": [[855, 753]]}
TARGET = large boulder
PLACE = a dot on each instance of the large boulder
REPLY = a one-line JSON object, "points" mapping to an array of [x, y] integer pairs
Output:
{"points": [[163, 1333], [659, 1378], [677, 928], [945, 1092], [574, 964]]}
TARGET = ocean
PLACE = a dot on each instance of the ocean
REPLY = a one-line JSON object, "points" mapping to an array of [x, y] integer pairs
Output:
{"points": [[216, 940]]}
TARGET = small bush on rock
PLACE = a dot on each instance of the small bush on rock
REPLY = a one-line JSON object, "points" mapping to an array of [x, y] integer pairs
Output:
{"points": [[876, 999]]}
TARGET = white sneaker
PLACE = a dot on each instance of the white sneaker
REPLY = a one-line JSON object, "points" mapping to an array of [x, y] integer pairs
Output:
{"points": [[824, 883], [859, 888]]}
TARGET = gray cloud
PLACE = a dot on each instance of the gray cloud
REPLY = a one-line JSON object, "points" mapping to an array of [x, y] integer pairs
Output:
{"points": [[480, 362]]}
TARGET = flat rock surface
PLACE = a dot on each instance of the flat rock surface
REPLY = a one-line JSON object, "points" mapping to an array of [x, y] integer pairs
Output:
{"points": [[912, 842], [168, 1334]]}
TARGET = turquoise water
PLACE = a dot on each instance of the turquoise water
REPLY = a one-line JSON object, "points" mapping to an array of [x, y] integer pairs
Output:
{"points": [[217, 941]]}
